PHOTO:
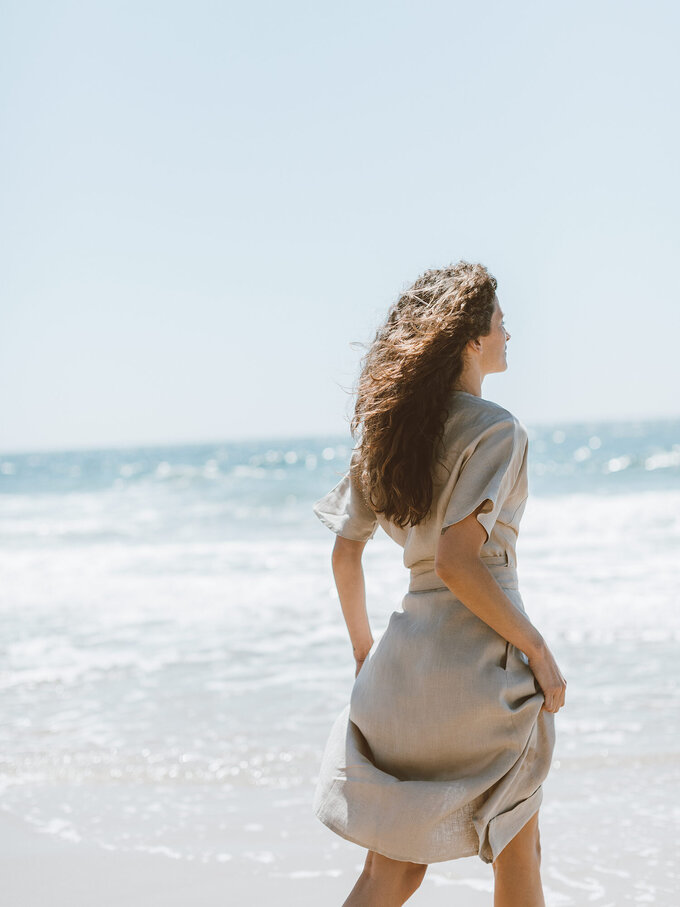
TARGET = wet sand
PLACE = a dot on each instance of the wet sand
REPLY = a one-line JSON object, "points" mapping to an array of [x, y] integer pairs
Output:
{"points": [[40, 870]]}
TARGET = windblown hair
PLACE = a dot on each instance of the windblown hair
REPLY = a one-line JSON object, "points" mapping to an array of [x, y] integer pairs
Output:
{"points": [[406, 381]]}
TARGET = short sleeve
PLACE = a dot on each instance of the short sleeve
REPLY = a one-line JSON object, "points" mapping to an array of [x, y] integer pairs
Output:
{"points": [[345, 510], [486, 475]]}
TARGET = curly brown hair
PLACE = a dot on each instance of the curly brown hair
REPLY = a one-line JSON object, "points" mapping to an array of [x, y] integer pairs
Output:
{"points": [[405, 383]]}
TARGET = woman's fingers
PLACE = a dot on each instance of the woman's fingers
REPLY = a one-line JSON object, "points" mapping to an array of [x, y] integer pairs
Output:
{"points": [[555, 698], [550, 680]]}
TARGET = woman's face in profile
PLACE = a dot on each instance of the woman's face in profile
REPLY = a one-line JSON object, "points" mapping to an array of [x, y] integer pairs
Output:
{"points": [[494, 343]]}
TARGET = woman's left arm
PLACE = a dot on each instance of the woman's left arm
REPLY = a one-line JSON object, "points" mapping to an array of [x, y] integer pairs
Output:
{"points": [[348, 573]]}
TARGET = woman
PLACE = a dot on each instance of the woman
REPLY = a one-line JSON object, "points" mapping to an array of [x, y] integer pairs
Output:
{"points": [[449, 732]]}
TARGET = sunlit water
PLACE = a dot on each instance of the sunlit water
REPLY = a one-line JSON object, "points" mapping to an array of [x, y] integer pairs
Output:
{"points": [[173, 652]]}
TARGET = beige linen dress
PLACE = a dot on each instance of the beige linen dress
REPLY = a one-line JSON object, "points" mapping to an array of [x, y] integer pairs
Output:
{"points": [[443, 747]]}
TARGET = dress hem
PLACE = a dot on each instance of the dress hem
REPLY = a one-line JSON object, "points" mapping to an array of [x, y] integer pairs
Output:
{"points": [[493, 833], [502, 828], [391, 856]]}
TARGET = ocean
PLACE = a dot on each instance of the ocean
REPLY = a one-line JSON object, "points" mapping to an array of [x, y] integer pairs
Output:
{"points": [[173, 655]]}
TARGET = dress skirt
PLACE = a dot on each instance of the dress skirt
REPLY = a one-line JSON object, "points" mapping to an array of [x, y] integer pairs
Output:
{"points": [[443, 747]]}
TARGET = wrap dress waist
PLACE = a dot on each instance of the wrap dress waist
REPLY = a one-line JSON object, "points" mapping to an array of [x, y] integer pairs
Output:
{"points": [[423, 578]]}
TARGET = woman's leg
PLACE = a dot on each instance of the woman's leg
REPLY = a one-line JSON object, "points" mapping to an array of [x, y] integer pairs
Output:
{"points": [[384, 882], [517, 870]]}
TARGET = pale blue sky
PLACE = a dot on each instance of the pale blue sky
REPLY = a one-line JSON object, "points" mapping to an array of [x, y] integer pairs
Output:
{"points": [[204, 204]]}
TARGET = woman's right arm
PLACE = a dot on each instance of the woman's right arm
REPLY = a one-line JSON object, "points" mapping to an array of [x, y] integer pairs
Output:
{"points": [[458, 564]]}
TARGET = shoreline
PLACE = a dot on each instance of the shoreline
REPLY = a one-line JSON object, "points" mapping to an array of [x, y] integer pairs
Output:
{"points": [[40, 869]]}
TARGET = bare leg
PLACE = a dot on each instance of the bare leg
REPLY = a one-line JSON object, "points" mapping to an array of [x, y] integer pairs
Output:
{"points": [[517, 870], [384, 882]]}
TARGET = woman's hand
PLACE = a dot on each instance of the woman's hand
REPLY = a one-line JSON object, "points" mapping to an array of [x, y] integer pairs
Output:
{"points": [[359, 660], [549, 678]]}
